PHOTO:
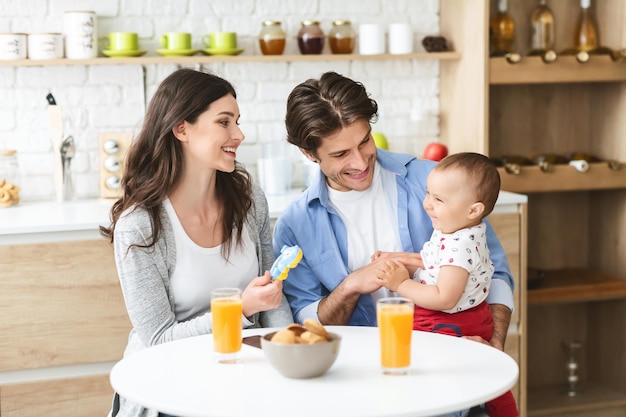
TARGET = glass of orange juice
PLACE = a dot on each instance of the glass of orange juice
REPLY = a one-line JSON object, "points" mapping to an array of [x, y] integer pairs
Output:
{"points": [[226, 310], [395, 324]]}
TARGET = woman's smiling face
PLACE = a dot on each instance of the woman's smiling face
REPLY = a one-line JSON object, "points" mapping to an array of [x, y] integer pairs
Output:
{"points": [[212, 141]]}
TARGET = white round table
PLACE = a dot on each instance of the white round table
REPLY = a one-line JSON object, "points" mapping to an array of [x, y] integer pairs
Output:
{"points": [[447, 374]]}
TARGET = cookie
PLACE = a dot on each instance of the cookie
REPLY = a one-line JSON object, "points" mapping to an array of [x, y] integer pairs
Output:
{"points": [[284, 336], [316, 327]]}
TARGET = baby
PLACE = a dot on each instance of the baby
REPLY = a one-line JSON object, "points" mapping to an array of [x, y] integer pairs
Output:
{"points": [[450, 290]]}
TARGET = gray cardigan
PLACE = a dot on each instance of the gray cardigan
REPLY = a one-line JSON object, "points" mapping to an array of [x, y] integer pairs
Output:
{"points": [[145, 280]]}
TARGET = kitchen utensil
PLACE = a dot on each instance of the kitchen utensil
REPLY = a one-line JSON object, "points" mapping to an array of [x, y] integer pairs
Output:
{"points": [[68, 150], [55, 125]]}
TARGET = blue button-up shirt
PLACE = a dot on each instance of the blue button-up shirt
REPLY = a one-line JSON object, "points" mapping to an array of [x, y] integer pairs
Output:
{"points": [[311, 223]]}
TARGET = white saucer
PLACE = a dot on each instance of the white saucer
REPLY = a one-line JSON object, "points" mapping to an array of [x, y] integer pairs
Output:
{"points": [[122, 53], [177, 52], [223, 51]]}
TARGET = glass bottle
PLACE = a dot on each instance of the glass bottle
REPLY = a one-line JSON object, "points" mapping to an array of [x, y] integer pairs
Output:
{"points": [[272, 38], [310, 38], [587, 35], [9, 178], [501, 31], [342, 37], [614, 54], [542, 32], [547, 57]]}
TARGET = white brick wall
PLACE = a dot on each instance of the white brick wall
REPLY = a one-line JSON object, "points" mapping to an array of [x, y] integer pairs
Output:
{"points": [[104, 98]]}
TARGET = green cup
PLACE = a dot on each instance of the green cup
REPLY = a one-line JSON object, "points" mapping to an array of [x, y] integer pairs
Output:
{"points": [[120, 41], [220, 40], [175, 40]]}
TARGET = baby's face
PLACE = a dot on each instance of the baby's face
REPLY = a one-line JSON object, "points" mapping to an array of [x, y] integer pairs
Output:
{"points": [[450, 200]]}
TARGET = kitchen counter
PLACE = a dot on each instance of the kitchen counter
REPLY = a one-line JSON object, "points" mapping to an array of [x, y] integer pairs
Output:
{"points": [[28, 221]]}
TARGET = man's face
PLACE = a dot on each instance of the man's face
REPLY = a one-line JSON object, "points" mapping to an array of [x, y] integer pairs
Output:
{"points": [[348, 156]]}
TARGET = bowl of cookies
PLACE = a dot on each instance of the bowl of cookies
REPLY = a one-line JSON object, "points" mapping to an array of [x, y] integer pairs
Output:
{"points": [[301, 351]]}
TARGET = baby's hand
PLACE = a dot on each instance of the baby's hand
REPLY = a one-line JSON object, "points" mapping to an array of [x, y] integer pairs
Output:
{"points": [[392, 274], [412, 261]]}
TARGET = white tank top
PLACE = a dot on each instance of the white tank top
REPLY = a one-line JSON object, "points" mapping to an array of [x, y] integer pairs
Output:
{"points": [[199, 270]]}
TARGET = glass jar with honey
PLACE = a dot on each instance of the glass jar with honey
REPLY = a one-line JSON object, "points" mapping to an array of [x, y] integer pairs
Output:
{"points": [[342, 37], [272, 38]]}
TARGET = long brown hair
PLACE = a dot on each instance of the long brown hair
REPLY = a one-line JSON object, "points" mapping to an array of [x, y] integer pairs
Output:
{"points": [[154, 160]]}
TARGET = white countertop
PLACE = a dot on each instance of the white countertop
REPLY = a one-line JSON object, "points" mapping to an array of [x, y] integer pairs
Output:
{"points": [[83, 215]]}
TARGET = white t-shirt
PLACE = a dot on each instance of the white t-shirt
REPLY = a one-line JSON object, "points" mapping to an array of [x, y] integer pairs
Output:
{"points": [[371, 220], [199, 270]]}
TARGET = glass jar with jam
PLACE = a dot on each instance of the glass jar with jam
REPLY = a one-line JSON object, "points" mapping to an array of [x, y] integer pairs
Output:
{"points": [[9, 178], [342, 37], [310, 38], [272, 38]]}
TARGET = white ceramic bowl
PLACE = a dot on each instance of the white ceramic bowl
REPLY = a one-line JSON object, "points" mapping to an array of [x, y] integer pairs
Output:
{"points": [[301, 361]]}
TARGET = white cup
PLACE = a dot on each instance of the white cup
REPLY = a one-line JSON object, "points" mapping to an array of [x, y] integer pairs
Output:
{"points": [[371, 39], [45, 45], [400, 38], [81, 34], [12, 46]]}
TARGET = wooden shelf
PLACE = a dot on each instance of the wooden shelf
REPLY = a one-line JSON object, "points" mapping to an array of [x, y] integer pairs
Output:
{"points": [[532, 70], [576, 285], [553, 401], [532, 179], [204, 59]]}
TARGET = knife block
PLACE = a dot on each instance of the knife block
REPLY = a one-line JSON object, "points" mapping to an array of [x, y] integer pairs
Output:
{"points": [[112, 147]]}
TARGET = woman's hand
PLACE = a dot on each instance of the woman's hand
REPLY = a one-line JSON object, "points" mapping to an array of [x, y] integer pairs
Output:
{"points": [[261, 294]]}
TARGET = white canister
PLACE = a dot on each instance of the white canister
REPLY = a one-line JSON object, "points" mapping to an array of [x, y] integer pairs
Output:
{"points": [[81, 34], [371, 39], [12, 46], [400, 38], [45, 45], [274, 167]]}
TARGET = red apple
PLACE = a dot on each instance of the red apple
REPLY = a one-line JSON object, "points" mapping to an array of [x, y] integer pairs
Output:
{"points": [[435, 151]]}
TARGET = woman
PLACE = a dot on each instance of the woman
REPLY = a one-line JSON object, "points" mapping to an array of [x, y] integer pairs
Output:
{"points": [[190, 220]]}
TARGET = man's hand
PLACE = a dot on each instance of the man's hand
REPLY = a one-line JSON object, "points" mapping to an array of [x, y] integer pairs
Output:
{"points": [[338, 306], [412, 261]]}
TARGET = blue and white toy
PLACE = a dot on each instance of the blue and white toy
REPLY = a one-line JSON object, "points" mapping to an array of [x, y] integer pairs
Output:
{"points": [[289, 258]]}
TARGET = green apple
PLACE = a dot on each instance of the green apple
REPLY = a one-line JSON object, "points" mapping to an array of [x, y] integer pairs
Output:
{"points": [[380, 140]]}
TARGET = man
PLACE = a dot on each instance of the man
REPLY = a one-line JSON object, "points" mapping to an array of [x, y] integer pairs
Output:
{"points": [[365, 199]]}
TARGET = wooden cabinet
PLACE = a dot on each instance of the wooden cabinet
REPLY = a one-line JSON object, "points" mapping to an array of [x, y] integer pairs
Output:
{"points": [[509, 222], [64, 325], [576, 220]]}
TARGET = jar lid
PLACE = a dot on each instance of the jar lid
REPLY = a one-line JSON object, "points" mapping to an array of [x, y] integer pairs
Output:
{"points": [[271, 22], [310, 22], [341, 22], [7, 152]]}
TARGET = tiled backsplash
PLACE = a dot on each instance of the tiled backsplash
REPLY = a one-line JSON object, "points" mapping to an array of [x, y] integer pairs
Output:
{"points": [[112, 98]]}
